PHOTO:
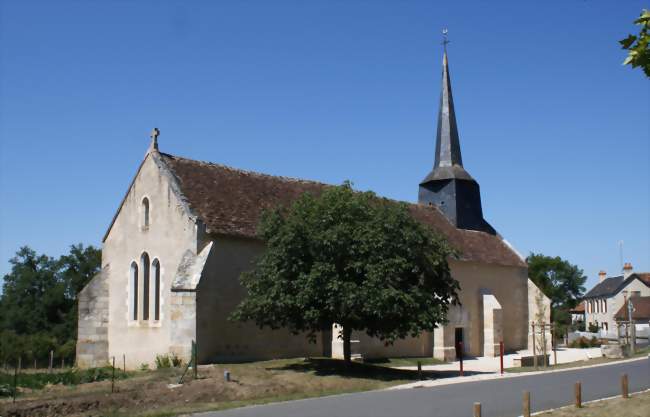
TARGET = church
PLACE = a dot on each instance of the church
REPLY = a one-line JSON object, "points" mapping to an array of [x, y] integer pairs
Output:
{"points": [[186, 230]]}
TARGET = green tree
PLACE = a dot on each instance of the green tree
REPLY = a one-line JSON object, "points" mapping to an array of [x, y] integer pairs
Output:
{"points": [[561, 281], [639, 45], [32, 298], [350, 258], [38, 309]]}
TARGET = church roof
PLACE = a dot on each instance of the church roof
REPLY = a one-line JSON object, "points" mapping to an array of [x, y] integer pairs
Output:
{"points": [[231, 201]]}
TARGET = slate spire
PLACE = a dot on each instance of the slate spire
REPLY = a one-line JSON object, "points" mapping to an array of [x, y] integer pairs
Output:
{"points": [[448, 186], [448, 161], [447, 142]]}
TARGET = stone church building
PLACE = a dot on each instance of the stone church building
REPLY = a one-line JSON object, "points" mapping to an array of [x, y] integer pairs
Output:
{"points": [[185, 231]]}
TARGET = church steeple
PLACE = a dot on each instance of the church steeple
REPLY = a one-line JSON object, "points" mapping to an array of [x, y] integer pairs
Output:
{"points": [[448, 160], [447, 143], [448, 186]]}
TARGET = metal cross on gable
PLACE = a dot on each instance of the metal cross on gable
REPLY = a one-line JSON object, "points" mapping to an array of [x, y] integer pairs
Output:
{"points": [[154, 133]]}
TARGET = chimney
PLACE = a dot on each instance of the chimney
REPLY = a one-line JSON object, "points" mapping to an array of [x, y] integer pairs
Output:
{"points": [[627, 270], [601, 276]]}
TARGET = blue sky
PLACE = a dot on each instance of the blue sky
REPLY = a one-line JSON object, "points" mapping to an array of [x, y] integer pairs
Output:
{"points": [[552, 126]]}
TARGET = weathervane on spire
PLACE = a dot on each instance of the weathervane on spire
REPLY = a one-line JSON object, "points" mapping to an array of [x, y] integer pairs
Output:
{"points": [[445, 40]]}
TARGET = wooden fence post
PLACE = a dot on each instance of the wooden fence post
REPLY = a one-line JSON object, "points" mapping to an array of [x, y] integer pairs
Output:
{"points": [[49, 369], [526, 404], [624, 386], [477, 409], [15, 382], [419, 371], [578, 395]]}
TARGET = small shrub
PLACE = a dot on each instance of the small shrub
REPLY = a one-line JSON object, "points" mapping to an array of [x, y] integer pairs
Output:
{"points": [[5, 390], [594, 342], [163, 361], [580, 343], [593, 328], [144, 366], [176, 361]]}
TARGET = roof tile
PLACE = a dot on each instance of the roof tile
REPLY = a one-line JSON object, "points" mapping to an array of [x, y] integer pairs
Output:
{"points": [[231, 201]]}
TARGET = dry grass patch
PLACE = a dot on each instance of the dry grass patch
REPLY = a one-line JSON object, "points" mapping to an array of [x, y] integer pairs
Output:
{"points": [[148, 394], [638, 405]]}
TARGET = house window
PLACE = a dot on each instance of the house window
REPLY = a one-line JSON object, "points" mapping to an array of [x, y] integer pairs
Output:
{"points": [[156, 289], [134, 291], [145, 212], [605, 327], [144, 265], [636, 294], [605, 306]]}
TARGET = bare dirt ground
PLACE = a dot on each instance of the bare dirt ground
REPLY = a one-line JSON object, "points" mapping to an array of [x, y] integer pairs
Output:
{"points": [[148, 394], [637, 405]]}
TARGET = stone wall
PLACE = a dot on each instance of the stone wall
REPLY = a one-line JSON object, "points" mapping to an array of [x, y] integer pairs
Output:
{"points": [[538, 308], [92, 340], [219, 292], [171, 233]]}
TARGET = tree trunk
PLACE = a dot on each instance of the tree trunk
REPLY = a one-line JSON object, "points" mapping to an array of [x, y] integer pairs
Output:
{"points": [[347, 354]]}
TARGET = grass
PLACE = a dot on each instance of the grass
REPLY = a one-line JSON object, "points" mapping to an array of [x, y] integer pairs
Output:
{"points": [[148, 394], [635, 406], [72, 376]]}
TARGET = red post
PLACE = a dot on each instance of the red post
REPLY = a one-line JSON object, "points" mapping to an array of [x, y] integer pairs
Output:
{"points": [[501, 355], [460, 352]]}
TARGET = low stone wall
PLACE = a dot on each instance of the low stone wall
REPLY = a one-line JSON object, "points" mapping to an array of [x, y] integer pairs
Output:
{"points": [[92, 340]]}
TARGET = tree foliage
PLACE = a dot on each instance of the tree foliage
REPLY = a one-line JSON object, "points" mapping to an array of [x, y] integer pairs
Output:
{"points": [[38, 309], [350, 258], [639, 45], [561, 281]]}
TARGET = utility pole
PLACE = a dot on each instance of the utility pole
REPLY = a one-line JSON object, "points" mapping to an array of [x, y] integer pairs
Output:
{"points": [[630, 310]]}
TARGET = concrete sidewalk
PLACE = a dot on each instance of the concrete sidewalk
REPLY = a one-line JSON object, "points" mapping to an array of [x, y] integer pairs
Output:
{"points": [[486, 364], [427, 383]]}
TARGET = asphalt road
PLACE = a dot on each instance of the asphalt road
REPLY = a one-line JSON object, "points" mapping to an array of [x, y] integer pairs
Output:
{"points": [[499, 397]]}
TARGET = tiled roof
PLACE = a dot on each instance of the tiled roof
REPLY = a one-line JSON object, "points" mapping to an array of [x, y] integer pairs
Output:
{"points": [[230, 202], [612, 285], [641, 309], [605, 288], [580, 308]]}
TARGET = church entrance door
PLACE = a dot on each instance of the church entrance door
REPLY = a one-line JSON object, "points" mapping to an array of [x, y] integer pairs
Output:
{"points": [[457, 342]]}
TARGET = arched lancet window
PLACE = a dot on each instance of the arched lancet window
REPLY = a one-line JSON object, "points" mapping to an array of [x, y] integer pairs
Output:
{"points": [[145, 212], [156, 289], [134, 291], [145, 265]]}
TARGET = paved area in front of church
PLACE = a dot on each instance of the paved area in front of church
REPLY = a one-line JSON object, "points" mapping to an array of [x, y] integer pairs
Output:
{"points": [[500, 397], [486, 364]]}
